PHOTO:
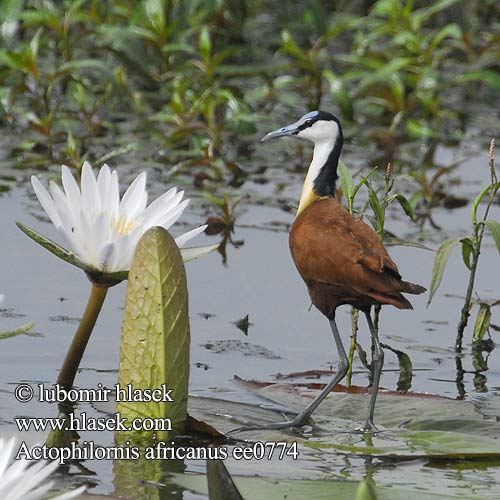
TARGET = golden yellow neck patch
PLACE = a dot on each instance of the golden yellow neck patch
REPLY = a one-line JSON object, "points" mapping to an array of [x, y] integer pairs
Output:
{"points": [[307, 199]]}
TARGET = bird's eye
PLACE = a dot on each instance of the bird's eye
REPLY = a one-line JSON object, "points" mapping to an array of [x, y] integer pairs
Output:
{"points": [[308, 123]]}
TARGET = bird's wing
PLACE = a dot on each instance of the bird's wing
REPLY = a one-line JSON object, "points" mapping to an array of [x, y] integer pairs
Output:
{"points": [[329, 245]]}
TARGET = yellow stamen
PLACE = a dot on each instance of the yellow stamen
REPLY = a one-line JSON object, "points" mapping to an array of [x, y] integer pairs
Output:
{"points": [[124, 226]]}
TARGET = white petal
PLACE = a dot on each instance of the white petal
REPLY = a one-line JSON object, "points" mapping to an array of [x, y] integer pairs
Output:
{"points": [[135, 198], [193, 253], [162, 208], [103, 183], [184, 238], [173, 215], [61, 203], [119, 260], [90, 193], [113, 204], [46, 201], [6, 449], [32, 478], [104, 255], [70, 494], [72, 190]]}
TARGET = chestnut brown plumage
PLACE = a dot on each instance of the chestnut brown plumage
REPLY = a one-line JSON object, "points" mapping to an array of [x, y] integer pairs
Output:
{"points": [[342, 261], [340, 258]]}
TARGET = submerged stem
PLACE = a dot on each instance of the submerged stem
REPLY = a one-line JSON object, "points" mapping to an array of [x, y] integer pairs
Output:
{"points": [[77, 348]]}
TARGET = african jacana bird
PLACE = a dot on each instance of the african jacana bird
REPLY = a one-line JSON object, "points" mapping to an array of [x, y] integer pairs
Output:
{"points": [[340, 258]]}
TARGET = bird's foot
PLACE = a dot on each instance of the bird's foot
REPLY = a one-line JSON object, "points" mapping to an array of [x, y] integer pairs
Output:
{"points": [[369, 428], [298, 421]]}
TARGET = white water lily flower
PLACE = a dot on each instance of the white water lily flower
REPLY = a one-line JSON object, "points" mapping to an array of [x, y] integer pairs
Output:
{"points": [[99, 228], [24, 480]]}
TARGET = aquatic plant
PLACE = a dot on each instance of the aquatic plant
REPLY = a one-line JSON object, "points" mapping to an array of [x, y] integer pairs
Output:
{"points": [[101, 229], [378, 204], [16, 331], [471, 249], [155, 341], [102, 233]]}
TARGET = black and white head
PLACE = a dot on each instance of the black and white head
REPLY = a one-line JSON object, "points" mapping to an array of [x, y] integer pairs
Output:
{"points": [[325, 131], [316, 126]]}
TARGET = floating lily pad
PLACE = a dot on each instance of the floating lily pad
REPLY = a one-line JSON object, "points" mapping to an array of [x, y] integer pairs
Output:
{"points": [[412, 426], [258, 488]]}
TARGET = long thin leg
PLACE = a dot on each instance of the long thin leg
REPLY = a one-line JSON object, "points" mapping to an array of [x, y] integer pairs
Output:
{"points": [[304, 416], [378, 363]]}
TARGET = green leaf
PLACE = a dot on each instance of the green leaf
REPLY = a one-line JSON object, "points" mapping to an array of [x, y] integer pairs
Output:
{"points": [[220, 483], [366, 491], [405, 204], [363, 182], [394, 241], [489, 76], [419, 17], [346, 183], [85, 66], [451, 30], [479, 199], [467, 249], [17, 331], [482, 322], [405, 369], [440, 262], [134, 146], [205, 44], [377, 208], [155, 334], [494, 228]]}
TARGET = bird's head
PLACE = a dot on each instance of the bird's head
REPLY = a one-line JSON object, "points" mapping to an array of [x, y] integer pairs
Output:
{"points": [[324, 130], [315, 126]]}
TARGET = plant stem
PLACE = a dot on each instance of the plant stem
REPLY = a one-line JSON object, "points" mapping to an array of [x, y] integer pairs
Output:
{"points": [[77, 348], [352, 349], [464, 318], [478, 239]]}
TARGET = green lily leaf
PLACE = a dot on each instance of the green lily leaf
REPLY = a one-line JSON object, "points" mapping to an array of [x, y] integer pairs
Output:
{"points": [[220, 483], [155, 341]]}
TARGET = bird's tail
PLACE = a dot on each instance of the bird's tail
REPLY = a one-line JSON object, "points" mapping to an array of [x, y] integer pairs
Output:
{"points": [[407, 287]]}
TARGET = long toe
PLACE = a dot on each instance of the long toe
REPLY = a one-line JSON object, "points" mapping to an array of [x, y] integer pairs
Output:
{"points": [[298, 421], [369, 428]]}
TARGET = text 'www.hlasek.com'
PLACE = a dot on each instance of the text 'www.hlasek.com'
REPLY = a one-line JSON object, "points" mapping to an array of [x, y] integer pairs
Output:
{"points": [[88, 450]]}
